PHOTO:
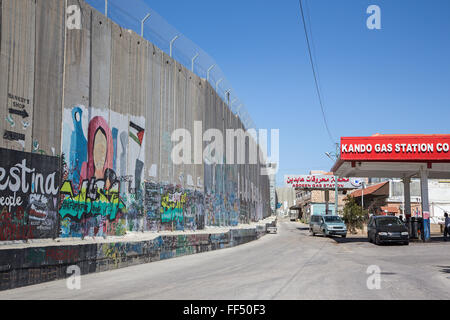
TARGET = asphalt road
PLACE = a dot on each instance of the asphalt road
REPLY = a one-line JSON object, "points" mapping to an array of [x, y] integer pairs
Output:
{"points": [[288, 265]]}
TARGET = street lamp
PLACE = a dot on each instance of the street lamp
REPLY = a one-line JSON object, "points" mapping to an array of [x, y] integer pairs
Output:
{"points": [[334, 157]]}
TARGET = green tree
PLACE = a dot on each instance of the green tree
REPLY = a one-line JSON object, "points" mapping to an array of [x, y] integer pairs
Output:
{"points": [[354, 216]]}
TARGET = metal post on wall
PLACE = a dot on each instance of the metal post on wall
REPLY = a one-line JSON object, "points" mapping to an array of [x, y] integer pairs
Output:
{"points": [[106, 8], [171, 44], [142, 24], [209, 70], [239, 110], [232, 102], [193, 61], [217, 84], [227, 94]]}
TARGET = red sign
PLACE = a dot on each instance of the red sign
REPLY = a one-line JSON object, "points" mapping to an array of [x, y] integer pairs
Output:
{"points": [[320, 182], [396, 148]]}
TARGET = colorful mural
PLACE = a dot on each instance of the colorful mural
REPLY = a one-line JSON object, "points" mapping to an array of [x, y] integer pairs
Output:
{"points": [[97, 188], [99, 196], [29, 187], [104, 192]]}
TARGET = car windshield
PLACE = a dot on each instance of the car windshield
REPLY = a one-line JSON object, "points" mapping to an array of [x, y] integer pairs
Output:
{"points": [[384, 222], [333, 219]]}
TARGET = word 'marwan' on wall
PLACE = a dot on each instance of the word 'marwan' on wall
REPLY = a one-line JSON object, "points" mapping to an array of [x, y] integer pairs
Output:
{"points": [[29, 189]]}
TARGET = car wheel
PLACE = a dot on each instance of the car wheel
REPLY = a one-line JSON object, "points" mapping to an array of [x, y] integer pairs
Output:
{"points": [[311, 232], [369, 238], [344, 236], [406, 243], [377, 240]]}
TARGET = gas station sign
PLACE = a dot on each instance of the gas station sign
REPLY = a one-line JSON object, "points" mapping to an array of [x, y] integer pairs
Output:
{"points": [[321, 182], [396, 148]]}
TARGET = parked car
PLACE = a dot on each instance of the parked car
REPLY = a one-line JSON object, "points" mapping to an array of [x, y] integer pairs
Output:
{"points": [[327, 225], [293, 215], [381, 229]]}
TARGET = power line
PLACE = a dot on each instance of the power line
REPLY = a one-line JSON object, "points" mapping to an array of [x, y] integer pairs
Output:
{"points": [[315, 74]]}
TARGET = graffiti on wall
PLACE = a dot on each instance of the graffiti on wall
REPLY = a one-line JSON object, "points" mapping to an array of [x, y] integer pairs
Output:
{"points": [[29, 187], [96, 197], [152, 205], [102, 190], [97, 186], [173, 200]]}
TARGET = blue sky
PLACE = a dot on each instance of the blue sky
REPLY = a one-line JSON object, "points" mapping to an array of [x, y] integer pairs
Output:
{"points": [[395, 80]]}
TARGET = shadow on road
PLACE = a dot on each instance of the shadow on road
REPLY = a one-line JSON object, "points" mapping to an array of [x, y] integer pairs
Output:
{"points": [[439, 239], [349, 239], [303, 229], [387, 273], [444, 269]]}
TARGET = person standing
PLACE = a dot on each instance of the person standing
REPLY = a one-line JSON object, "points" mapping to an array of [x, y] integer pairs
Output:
{"points": [[446, 226]]}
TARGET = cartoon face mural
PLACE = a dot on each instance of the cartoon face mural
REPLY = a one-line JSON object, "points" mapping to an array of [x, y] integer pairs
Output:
{"points": [[95, 200], [100, 149]]}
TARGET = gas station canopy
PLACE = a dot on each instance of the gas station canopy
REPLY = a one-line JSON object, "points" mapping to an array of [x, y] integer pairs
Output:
{"points": [[394, 156], [398, 156]]}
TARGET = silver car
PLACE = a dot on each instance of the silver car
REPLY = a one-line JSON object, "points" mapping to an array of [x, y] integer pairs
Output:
{"points": [[327, 225]]}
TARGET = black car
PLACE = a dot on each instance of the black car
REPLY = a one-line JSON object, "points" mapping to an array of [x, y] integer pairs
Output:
{"points": [[383, 229]]}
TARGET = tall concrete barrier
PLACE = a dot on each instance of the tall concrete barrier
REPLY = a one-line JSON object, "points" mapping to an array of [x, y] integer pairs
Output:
{"points": [[87, 122]]}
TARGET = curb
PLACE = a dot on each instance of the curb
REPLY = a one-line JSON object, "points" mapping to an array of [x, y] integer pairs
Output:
{"points": [[35, 265]]}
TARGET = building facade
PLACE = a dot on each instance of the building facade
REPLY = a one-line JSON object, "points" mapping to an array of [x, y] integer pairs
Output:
{"points": [[388, 198]]}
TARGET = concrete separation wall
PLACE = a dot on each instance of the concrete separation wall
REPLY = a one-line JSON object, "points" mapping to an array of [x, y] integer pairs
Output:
{"points": [[32, 265], [86, 128]]}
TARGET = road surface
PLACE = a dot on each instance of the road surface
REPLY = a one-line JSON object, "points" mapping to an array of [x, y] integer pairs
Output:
{"points": [[288, 265]]}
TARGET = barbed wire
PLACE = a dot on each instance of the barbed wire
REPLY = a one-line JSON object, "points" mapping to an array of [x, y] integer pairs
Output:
{"points": [[154, 28]]}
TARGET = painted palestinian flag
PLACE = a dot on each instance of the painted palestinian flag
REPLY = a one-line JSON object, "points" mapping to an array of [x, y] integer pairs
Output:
{"points": [[137, 133]]}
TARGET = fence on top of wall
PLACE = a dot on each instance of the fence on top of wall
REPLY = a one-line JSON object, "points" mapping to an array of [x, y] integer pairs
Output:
{"points": [[137, 15], [86, 146]]}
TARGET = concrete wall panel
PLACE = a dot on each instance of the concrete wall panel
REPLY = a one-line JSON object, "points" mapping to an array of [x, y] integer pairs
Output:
{"points": [[47, 118], [191, 97], [120, 62], [180, 170], [100, 61], [167, 118], [198, 115], [17, 76], [154, 114], [78, 60]]}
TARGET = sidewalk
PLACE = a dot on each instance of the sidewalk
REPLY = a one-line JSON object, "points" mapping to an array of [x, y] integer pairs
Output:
{"points": [[38, 261], [129, 237]]}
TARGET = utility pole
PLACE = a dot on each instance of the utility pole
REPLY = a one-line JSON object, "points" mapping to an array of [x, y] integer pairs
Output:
{"points": [[336, 178], [335, 157], [362, 197]]}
